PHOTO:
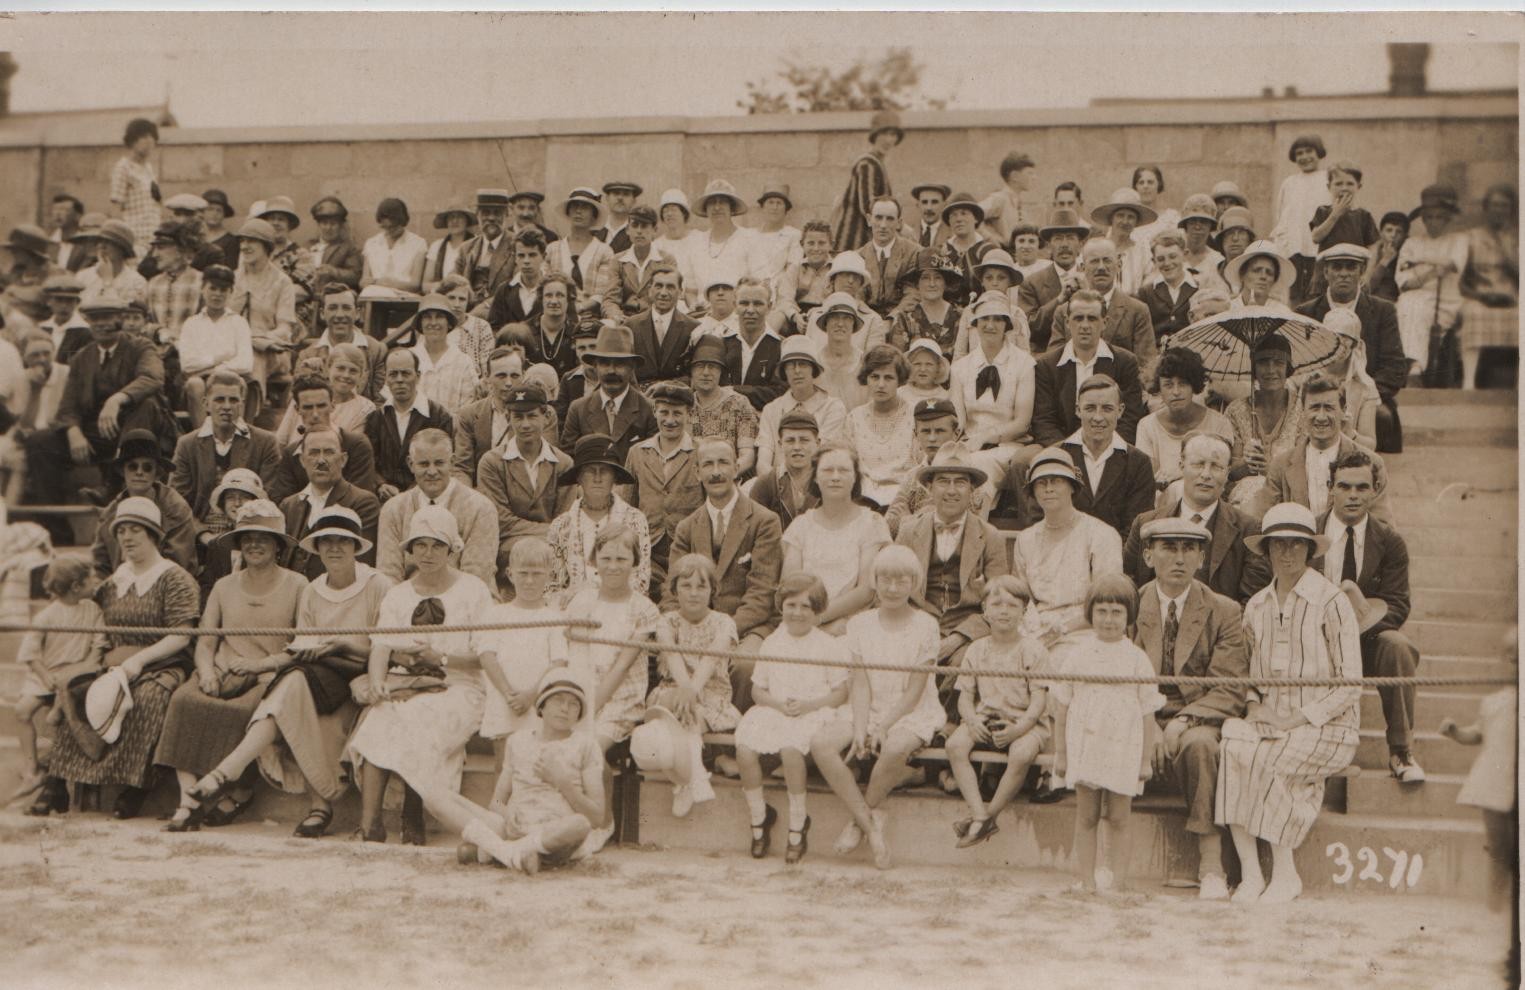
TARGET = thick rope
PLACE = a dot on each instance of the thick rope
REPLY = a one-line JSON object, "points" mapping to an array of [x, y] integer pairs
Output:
{"points": [[138, 631]]}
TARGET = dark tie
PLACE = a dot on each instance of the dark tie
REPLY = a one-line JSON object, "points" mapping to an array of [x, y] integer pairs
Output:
{"points": [[576, 272], [884, 259], [926, 235], [1168, 647], [719, 537], [988, 378], [1348, 568]]}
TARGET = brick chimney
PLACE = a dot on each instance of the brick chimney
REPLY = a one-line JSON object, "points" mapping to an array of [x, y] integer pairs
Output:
{"points": [[7, 69], [1406, 76]]}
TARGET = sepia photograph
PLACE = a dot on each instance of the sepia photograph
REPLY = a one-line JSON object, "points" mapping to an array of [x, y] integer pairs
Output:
{"points": [[688, 499]]}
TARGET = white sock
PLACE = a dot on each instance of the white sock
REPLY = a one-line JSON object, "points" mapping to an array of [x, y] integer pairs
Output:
{"points": [[756, 806], [796, 811], [477, 832]]}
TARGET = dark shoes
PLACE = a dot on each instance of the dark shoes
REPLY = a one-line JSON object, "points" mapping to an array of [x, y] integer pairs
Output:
{"points": [[52, 798], [761, 843], [795, 851], [978, 832], [412, 818], [128, 803], [315, 825], [1046, 792]]}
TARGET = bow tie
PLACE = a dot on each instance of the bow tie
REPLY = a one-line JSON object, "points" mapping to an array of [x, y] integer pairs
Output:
{"points": [[947, 529], [988, 378]]}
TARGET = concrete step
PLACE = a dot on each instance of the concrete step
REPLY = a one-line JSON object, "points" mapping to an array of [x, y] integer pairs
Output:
{"points": [[1463, 571], [1454, 605], [1468, 638], [1452, 397], [1434, 752], [1480, 511], [1380, 794], [1453, 665], [1484, 541], [920, 832], [1442, 474], [1490, 434], [1429, 708]]}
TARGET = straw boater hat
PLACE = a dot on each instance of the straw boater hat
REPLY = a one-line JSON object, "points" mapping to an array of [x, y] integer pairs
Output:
{"points": [[1286, 274], [1123, 199], [1053, 462], [952, 458], [1288, 521], [336, 520], [238, 480], [885, 120], [434, 522], [615, 343], [258, 516], [964, 201], [841, 302], [595, 449], [1063, 221], [674, 197], [723, 190], [800, 348], [498, 197], [139, 511], [442, 218], [999, 258], [587, 197], [280, 204]]}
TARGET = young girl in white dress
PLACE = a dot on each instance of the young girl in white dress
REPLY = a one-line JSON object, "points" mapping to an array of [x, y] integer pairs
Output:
{"points": [[790, 704], [1099, 731], [894, 712]]}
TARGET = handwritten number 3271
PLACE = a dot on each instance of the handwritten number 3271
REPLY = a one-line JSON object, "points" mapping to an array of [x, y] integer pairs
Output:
{"points": [[1405, 870]]}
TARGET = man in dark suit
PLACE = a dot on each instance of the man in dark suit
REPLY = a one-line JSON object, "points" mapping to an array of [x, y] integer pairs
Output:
{"points": [[887, 255], [662, 333], [1169, 305], [115, 384], [487, 260], [752, 354], [518, 299], [1125, 320], [1188, 630], [323, 462], [615, 408], [929, 231], [619, 199], [1344, 268], [314, 399], [1117, 479], [1063, 235], [390, 429], [1228, 566], [483, 425], [522, 475], [223, 443], [1055, 376], [1369, 559]]}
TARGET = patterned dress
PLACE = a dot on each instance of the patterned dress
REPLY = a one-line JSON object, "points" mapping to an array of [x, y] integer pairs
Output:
{"points": [[886, 446], [172, 599], [134, 187], [914, 324], [1493, 265], [729, 417], [869, 182], [571, 537], [1278, 440], [634, 618], [713, 709]]}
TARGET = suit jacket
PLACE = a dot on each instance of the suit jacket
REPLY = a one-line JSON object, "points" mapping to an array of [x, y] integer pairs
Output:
{"points": [[526, 505], [982, 556], [500, 266], [298, 515], [762, 384], [346, 257], [1230, 569], [1209, 643], [1127, 325], [669, 361], [359, 467], [508, 308], [1287, 479], [629, 282], [912, 233], [666, 491], [1385, 360], [75, 340], [1054, 416], [1167, 317], [196, 474], [473, 438], [390, 450], [1126, 489], [748, 561], [621, 240], [1384, 572], [635, 421], [1033, 296], [883, 292], [474, 515], [135, 369], [765, 492]]}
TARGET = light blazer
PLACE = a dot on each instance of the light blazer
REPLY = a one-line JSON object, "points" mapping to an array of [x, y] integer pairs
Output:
{"points": [[1384, 572], [1209, 643], [596, 265], [1054, 416], [298, 516], [982, 556], [1126, 325], [525, 505], [474, 515], [749, 563], [1230, 568], [883, 293], [196, 475], [1287, 479], [635, 421], [668, 362]]}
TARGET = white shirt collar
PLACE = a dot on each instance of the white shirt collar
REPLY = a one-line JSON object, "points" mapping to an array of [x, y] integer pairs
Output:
{"points": [[1190, 279], [363, 575], [511, 453], [654, 442], [443, 496], [240, 429], [1207, 514], [420, 404], [1180, 601], [619, 403], [767, 332], [1335, 529], [725, 510], [124, 578], [1067, 356], [1118, 443], [1329, 297]]}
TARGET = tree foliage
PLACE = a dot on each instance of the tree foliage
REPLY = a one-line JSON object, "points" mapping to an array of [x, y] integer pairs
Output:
{"points": [[890, 83]]}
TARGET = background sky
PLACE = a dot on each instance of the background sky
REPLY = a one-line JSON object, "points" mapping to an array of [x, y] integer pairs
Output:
{"points": [[284, 69]]}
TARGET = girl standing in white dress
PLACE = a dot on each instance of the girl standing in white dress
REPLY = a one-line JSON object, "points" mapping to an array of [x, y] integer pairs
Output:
{"points": [[1099, 734]]}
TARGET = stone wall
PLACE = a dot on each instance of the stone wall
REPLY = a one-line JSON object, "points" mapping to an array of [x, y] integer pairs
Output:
{"points": [[1402, 144]]}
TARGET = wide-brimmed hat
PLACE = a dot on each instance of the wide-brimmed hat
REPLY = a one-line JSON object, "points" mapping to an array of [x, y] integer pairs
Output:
{"points": [[185, 201], [592, 450], [623, 185], [674, 197], [435, 303], [29, 239], [89, 228], [615, 343], [799, 348], [434, 522], [258, 516], [1198, 206], [238, 480], [885, 120], [930, 259], [778, 190], [1228, 189], [1064, 220], [139, 511], [938, 187], [709, 350], [1233, 218], [142, 443], [107, 702], [102, 304], [257, 230], [216, 197], [847, 263], [1369, 611], [993, 303], [336, 520], [952, 458], [329, 206], [1174, 528], [587, 197], [1052, 462], [724, 190], [1289, 520], [117, 232], [999, 258], [498, 197], [1437, 195], [63, 284], [1286, 273], [841, 302], [526, 398], [964, 201], [280, 204], [1123, 199]]}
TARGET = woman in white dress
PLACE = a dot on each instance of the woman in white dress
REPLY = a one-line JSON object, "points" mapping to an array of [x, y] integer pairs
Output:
{"points": [[1297, 200], [394, 257], [837, 540], [883, 429], [678, 242], [1430, 266], [424, 691], [993, 388]]}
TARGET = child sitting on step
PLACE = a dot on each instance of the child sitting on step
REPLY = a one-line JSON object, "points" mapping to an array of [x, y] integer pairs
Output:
{"points": [[522, 655]]}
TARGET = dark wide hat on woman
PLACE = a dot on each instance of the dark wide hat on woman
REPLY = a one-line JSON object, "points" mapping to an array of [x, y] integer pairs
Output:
{"points": [[596, 449]]}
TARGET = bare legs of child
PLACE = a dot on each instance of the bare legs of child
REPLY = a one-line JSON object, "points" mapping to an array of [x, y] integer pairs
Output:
{"points": [[1019, 759], [26, 732], [890, 770], [762, 815], [1091, 805], [1285, 883]]}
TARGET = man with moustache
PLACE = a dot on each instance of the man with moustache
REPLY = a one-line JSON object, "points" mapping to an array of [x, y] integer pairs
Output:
{"points": [[887, 255], [929, 231], [314, 400], [429, 461], [1061, 369], [1063, 235], [521, 476], [1126, 320], [404, 413], [526, 207], [615, 408], [323, 463], [339, 315], [487, 260], [619, 199]]}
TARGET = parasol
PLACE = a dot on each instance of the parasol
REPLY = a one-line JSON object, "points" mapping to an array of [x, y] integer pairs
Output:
{"points": [[1226, 341]]}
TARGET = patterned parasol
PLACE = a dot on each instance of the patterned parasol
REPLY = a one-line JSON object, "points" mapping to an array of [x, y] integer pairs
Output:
{"points": [[1225, 342]]}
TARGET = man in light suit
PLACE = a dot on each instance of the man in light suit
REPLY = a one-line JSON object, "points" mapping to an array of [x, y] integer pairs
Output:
{"points": [[661, 333], [1063, 235], [1126, 321], [1228, 566], [887, 255], [1061, 369], [521, 476], [487, 260], [224, 433], [615, 408], [475, 516], [635, 265], [323, 462], [1301, 475], [1188, 630], [1368, 558], [482, 425]]}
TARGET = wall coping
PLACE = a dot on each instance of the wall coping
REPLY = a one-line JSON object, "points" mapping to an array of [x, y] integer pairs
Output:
{"points": [[1250, 110]]}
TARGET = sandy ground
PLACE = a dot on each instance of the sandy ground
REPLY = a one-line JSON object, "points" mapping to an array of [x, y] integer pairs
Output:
{"points": [[89, 902]]}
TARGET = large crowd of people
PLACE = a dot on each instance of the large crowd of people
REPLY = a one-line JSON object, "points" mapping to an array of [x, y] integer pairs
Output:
{"points": [[763, 441]]}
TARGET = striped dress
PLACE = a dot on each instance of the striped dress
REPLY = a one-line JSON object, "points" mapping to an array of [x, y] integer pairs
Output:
{"points": [[1271, 781]]}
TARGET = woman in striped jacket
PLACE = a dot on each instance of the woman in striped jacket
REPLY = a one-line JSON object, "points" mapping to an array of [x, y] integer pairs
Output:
{"points": [[1275, 760]]}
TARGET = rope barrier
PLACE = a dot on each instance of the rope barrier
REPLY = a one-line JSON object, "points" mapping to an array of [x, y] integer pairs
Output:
{"points": [[11, 627]]}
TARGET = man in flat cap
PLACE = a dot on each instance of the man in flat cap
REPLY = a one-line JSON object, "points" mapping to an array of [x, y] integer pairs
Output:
{"points": [[619, 200]]}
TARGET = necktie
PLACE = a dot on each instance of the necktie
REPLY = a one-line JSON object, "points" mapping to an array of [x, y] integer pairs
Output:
{"points": [[1168, 647], [576, 272], [610, 408], [1348, 567], [988, 378], [926, 235], [1196, 517], [884, 259], [719, 538]]}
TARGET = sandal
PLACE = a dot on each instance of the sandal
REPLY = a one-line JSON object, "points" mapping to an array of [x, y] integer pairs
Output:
{"points": [[760, 843], [979, 832], [961, 826], [795, 851], [315, 825]]}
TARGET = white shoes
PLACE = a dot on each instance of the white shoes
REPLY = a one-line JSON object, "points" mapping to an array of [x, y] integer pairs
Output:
{"points": [[682, 801], [1213, 888], [1281, 891], [877, 841], [850, 839], [1249, 890]]}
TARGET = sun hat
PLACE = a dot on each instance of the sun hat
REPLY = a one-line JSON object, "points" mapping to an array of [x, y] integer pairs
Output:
{"points": [[993, 303], [1198, 206], [1053, 462], [526, 398], [258, 516], [558, 680], [719, 281], [139, 511], [964, 201], [847, 263], [238, 480], [435, 303], [799, 347], [1174, 528], [442, 218], [1286, 274], [655, 744], [931, 347], [999, 258], [615, 342], [216, 197], [107, 702], [592, 450], [1437, 195], [841, 302], [434, 522], [257, 230], [937, 187], [674, 197], [1063, 220], [1123, 199], [117, 232], [932, 260], [63, 284], [1344, 322], [1228, 190], [709, 350], [724, 190], [885, 120], [336, 520], [1288, 520], [623, 185], [30, 239], [779, 190], [587, 197], [1369, 611], [952, 458], [280, 204], [1234, 218]]}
